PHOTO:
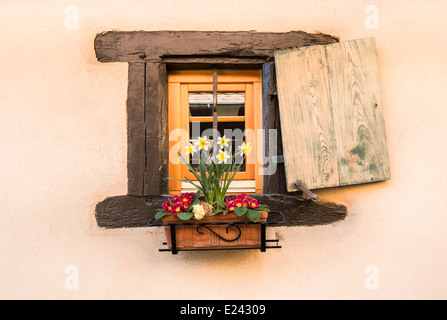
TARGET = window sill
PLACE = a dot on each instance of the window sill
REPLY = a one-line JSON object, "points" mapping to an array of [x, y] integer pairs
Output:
{"points": [[136, 211]]}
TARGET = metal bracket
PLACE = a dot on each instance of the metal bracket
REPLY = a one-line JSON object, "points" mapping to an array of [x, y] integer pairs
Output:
{"points": [[309, 193], [218, 235], [275, 218]]}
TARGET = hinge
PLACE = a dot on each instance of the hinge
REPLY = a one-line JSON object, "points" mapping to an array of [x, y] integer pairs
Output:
{"points": [[309, 193]]}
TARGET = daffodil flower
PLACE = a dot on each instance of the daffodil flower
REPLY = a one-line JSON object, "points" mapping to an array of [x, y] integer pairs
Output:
{"points": [[245, 148], [223, 142], [223, 156], [202, 143], [191, 149]]}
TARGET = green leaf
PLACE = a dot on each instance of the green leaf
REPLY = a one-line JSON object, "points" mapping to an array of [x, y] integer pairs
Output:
{"points": [[161, 214], [263, 207], [191, 169], [205, 180], [221, 203], [253, 215], [240, 211], [195, 185], [185, 215]]}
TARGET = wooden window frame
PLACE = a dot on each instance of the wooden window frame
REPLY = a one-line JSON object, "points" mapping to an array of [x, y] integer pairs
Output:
{"points": [[181, 82], [150, 54]]}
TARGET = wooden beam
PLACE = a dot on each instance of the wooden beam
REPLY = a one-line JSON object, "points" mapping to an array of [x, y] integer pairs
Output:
{"points": [[132, 212], [156, 130], [148, 46], [274, 179], [136, 135]]}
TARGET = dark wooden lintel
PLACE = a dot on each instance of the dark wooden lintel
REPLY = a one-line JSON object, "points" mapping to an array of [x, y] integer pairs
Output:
{"points": [[148, 46], [133, 211]]}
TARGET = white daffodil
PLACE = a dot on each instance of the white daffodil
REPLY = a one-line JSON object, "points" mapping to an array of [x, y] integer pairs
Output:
{"points": [[202, 143], [190, 149], [245, 148], [223, 142], [223, 156]]}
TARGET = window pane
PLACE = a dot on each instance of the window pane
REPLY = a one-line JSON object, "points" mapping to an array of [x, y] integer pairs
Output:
{"points": [[234, 131], [228, 104]]}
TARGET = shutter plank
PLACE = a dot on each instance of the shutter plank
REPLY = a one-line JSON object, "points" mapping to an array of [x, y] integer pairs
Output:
{"points": [[358, 113], [305, 115]]}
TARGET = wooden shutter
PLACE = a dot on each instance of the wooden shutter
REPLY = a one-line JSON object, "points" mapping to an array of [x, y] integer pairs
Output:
{"points": [[331, 115]]}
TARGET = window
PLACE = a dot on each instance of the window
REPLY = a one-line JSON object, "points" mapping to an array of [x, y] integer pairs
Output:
{"points": [[239, 116], [149, 55]]}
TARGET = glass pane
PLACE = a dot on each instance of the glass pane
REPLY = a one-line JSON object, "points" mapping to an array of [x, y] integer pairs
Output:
{"points": [[228, 104], [234, 131]]}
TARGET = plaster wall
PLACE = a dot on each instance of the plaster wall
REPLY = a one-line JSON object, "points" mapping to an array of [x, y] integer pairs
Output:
{"points": [[63, 149]]}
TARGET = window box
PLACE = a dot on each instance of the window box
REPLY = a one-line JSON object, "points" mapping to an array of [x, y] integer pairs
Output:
{"points": [[214, 232]]}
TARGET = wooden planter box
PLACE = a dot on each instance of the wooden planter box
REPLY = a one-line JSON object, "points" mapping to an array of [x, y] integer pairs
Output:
{"points": [[228, 231]]}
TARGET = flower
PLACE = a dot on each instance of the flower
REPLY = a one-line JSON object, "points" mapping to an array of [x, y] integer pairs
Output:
{"points": [[185, 198], [245, 148], [190, 204], [223, 156], [199, 211], [241, 200], [223, 141], [202, 143], [191, 149], [213, 176], [238, 203], [177, 208], [167, 206], [254, 203], [185, 201]]}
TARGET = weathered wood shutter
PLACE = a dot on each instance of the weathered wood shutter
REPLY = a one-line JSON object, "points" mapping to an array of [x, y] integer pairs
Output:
{"points": [[331, 115]]}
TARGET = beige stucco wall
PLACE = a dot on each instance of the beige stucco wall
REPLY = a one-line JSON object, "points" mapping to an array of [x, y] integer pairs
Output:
{"points": [[63, 149]]}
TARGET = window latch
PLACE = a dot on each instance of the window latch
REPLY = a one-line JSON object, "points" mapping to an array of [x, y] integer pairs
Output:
{"points": [[309, 193]]}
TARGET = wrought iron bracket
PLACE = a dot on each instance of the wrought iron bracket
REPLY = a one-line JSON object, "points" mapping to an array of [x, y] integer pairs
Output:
{"points": [[275, 218], [218, 235]]}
